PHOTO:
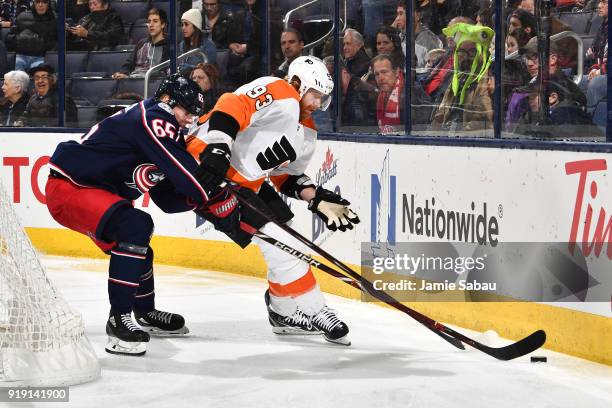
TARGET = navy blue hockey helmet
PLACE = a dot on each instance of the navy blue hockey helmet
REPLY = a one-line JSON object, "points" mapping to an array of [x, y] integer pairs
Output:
{"points": [[183, 92]]}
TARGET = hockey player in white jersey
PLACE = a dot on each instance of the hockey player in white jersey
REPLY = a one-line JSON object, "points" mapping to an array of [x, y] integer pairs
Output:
{"points": [[264, 130]]}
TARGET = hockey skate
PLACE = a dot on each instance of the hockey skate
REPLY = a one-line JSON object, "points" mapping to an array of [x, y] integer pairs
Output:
{"points": [[124, 336], [334, 330], [161, 324], [297, 323]]}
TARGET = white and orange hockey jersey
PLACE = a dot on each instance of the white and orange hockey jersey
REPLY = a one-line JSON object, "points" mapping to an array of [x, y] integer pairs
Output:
{"points": [[271, 140]]}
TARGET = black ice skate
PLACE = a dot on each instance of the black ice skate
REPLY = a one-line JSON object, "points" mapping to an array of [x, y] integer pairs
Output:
{"points": [[124, 336], [334, 330], [161, 324], [297, 323]]}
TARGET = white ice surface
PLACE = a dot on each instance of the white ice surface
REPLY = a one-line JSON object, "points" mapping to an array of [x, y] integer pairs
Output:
{"points": [[232, 359]]}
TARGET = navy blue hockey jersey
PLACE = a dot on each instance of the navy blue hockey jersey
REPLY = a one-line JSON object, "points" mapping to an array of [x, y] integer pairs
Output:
{"points": [[136, 150]]}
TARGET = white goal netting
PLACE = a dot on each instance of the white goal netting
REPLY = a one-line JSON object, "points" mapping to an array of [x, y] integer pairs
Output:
{"points": [[42, 340]]}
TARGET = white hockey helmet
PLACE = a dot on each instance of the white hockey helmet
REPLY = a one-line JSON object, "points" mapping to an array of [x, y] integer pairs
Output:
{"points": [[313, 74]]}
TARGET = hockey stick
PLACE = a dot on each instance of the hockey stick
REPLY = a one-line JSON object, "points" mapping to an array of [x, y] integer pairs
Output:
{"points": [[517, 349]]}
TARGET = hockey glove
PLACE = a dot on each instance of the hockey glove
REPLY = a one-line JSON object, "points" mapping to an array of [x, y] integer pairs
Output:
{"points": [[333, 210], [222, 210], [240, 221], [214, 164]]}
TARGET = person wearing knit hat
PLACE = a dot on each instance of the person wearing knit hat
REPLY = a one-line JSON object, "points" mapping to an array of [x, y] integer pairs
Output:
{"points": [[194, 38], [194, 16]]}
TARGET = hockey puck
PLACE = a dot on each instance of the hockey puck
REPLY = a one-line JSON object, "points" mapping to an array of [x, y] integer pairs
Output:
{"points": [[538, 359]]}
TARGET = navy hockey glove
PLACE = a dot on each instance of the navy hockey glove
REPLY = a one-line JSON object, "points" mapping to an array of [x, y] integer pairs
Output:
{"points": [[222, 210], [214, 164], [333, 210], [239, 222]]}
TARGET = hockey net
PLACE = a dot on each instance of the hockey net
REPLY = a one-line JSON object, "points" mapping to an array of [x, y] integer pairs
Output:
{"points": [[42, 340]]}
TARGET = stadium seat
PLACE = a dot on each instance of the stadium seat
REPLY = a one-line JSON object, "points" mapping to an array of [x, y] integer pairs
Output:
{"points": [[222, 58], [87, 116], [136, 85], [600, 115], [131, 85], [162, 5], [106, 61], [4, 33], [88, 92], [10, 58], [138, 32], [130, 11], [75, 61], [595, 24], [587, 42], [582, 23]]}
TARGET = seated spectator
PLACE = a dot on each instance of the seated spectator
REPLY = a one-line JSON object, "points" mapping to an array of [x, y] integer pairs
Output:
{"points": [[520, 18], [527, 5], [34, 33], [358, 98], [432, 59], [437, 82], [597, 78], [42, 108], [485, 16], [423, 36], [516, 39], [219, 24], [388, 42], [76, 9], [10, 9], [467, 103], [208, 78], [391, 97], [15, 89], [100, 30], [356, 59], [149, 51], [292, 44], [244, 61], [572, 93], [193, 38], [600, 43], [562, 113]]}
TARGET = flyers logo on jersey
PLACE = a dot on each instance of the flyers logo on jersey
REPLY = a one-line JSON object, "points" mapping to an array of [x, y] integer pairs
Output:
{"points": [[145, 177], [280, 153]]}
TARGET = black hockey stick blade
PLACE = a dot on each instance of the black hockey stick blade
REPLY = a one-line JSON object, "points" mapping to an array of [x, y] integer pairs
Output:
{"points": [[518, 349]]}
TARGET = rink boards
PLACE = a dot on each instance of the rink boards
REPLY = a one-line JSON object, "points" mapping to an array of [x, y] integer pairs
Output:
{"points": [[527, 195]]}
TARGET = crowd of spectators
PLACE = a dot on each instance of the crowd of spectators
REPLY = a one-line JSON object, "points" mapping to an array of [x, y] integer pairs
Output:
{"points": [[452, 79]]}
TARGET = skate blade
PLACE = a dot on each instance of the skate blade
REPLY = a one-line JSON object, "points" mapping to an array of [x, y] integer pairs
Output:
{"points": [[116, 346], [344, 340], [293, 331], [157, 332]]}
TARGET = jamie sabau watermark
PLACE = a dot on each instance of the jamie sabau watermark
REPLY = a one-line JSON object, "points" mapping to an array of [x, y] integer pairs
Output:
{"points": [[444, 271]]}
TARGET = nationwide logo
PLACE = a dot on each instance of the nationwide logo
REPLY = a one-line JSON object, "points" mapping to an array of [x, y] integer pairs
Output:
{"points": [[596, 226], [328, 169], [462, 226], [382, 204], [424, 219]]}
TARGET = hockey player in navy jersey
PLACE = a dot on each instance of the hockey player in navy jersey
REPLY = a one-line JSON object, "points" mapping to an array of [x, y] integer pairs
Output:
{"points": [[91, 187]]}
